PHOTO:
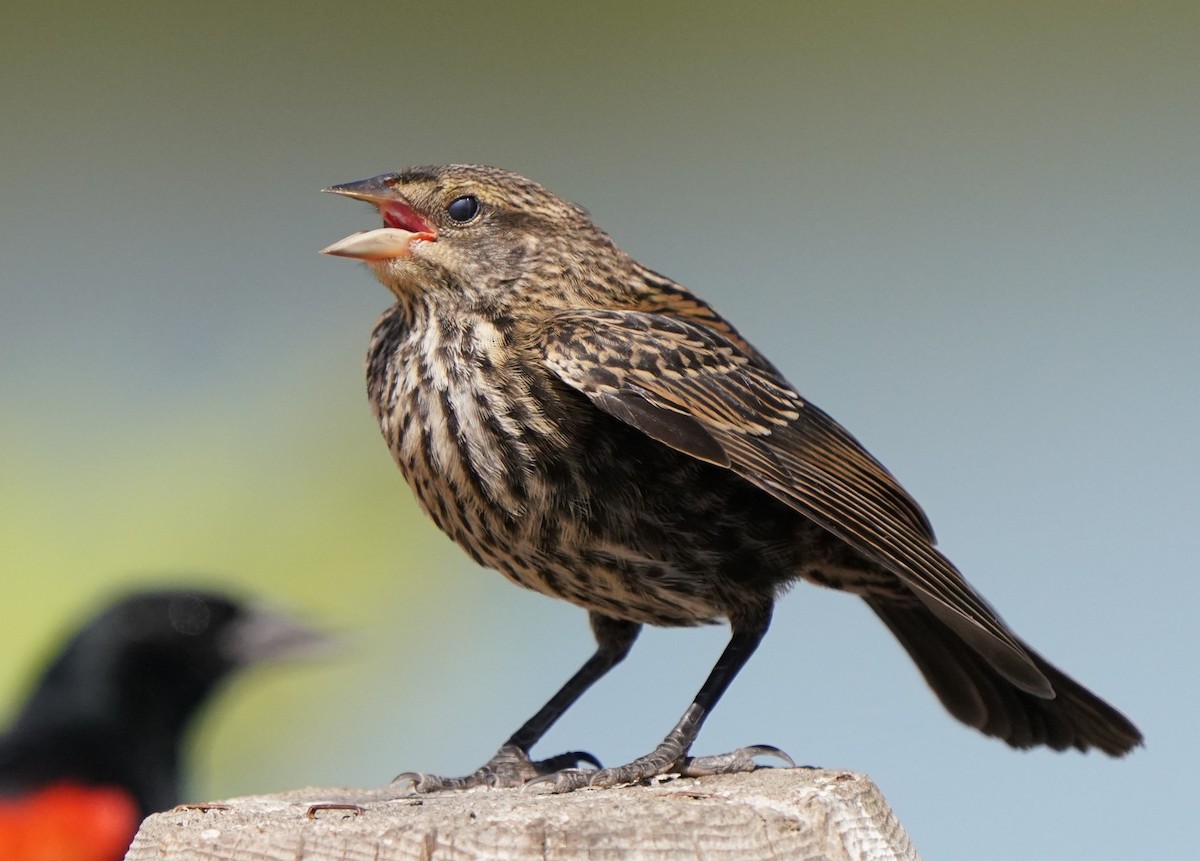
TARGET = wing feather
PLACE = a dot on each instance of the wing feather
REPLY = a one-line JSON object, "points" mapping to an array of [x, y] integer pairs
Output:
{"points": [[691, 388]]}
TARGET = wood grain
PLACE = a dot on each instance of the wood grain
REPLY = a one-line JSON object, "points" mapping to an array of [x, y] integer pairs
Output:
{"points": [[768, 814]]}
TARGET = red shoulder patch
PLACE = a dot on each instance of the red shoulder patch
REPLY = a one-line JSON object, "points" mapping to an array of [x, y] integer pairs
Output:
{"points": [[68, 822]]}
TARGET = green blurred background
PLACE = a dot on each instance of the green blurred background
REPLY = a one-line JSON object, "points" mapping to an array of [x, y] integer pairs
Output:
{"points": [[967, 230]]}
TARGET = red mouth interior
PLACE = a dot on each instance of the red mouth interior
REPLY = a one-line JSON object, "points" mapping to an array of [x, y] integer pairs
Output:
{"points": [[404, 217]]}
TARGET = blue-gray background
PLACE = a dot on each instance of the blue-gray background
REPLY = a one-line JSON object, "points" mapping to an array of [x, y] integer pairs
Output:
{"points": [[967, 230]]}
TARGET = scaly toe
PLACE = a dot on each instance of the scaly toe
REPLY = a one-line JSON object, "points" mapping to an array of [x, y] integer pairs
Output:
{"points": [[422, 783], [509, 768], [740, 760], [564, 780], [566, 762]]}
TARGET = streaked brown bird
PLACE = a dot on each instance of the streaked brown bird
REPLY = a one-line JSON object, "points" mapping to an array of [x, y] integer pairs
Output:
{"points": [[595, 432]]}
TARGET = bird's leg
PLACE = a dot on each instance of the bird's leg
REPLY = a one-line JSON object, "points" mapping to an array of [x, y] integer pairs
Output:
{"points": [[511, 766], [670, 757]]}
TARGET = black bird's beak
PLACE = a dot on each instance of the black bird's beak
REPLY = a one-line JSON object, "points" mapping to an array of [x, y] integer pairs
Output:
{"points": [[375, 190], [263, 634]]}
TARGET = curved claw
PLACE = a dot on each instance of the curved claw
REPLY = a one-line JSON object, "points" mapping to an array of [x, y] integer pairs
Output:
{"points": [[413, 777], [767, 750], [565, 762], [662, 761], [510, 767], [739, 760], [422, 783], [563, 780]]}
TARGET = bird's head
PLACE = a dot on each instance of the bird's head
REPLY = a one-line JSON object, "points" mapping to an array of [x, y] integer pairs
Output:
{"points": [[467, 228], [153, 657], [114, 706]]}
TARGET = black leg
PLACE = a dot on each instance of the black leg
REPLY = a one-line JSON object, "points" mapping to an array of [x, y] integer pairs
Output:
{"points": [[511, 766], [615, 638], [671, 754]]}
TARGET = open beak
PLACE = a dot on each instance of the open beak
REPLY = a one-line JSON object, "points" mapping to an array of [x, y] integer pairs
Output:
{"points": [[403, 225]]}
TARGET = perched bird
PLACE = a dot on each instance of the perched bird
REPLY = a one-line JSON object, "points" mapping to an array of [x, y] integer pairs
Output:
{"points": [[595, 432], [97, 746]]}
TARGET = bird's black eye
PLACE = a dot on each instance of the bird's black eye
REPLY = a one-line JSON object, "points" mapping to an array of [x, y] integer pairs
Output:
{"points": [[463, 208]]}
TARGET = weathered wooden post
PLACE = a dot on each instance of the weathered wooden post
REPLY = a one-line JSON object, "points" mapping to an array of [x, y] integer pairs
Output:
{"points": [[768, 814]]}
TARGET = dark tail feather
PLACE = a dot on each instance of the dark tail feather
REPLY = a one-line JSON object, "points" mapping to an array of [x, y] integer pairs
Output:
{"points": [[979, 696]]}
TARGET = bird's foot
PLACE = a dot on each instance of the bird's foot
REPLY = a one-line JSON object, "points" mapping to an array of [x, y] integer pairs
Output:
{"points": [[665, 759], [735, 761], [510, 767]]}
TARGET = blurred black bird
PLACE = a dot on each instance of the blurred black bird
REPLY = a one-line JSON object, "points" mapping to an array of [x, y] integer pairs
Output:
{"points": [[98, 744], [595, 432]]}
